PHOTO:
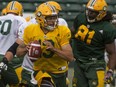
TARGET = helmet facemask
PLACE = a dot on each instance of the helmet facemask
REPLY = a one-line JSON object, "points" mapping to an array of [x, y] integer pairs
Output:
{"points": [[96, 10], [47, 17], [91, 15], [51, 22]]}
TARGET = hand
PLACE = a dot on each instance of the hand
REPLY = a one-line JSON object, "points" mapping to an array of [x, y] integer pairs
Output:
{"points": [[109, 77], [3, 64], [3, 67], [49, 45], [28, 46]]}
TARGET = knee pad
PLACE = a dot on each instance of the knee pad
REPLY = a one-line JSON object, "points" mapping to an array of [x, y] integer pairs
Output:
{"points": [[46, 83]]}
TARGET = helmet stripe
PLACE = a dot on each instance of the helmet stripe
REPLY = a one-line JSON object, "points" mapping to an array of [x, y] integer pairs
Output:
{"points": [[92, 3], [51, 7], [12, 6]]}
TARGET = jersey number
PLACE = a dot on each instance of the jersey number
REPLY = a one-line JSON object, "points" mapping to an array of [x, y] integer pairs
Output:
{"points": [[84, 34], [5, 27]]}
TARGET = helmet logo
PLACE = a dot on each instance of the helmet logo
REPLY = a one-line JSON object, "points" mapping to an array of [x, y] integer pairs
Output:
{"points": [[39, 14], [105, 8]]}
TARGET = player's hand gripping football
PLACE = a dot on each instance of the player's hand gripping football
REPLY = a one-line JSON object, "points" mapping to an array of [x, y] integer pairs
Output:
{"points": [[108, 77], [49, 45], [28, 46], [34, 50]]}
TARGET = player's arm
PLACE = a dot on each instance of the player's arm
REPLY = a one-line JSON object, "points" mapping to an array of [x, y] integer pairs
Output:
{"points": [[12, 50], [110, 48], [21, 50], [65, 52], [9, 55]]}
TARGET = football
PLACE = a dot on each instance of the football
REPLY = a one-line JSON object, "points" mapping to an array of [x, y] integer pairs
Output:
{"points": [[35, 51]]}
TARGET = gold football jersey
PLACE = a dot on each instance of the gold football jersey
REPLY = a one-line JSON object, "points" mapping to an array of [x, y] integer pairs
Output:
{"points": [[49, 61]]}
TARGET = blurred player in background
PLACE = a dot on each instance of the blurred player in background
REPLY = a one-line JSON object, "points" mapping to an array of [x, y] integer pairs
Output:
{"points": [[93, 34], [3, 11], [28, 18], [9, 25]]}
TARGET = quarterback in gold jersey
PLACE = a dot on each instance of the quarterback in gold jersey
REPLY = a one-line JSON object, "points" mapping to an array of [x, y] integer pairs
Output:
{"points": [[49, 69], [58, 37]]}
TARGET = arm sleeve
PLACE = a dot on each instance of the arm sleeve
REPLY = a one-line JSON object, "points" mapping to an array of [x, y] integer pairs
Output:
{"points": [[66, 36]]}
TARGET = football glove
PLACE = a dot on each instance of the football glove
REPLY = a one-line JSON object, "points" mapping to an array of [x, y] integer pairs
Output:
{"points": [[3, 65], [109, 76]]}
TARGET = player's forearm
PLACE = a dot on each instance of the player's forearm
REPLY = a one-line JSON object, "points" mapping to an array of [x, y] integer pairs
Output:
{"points": [[9, 55], [11, 51], [67, 55], [112, 61], [110, 48]]}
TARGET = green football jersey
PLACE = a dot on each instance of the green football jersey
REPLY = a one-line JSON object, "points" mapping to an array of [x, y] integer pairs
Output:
{"points": [[90, 38]]}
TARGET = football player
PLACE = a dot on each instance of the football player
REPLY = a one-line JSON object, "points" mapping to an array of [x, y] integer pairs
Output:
{"points": [[55, 48], [61, 21], [9, 25], [93, 34]]}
